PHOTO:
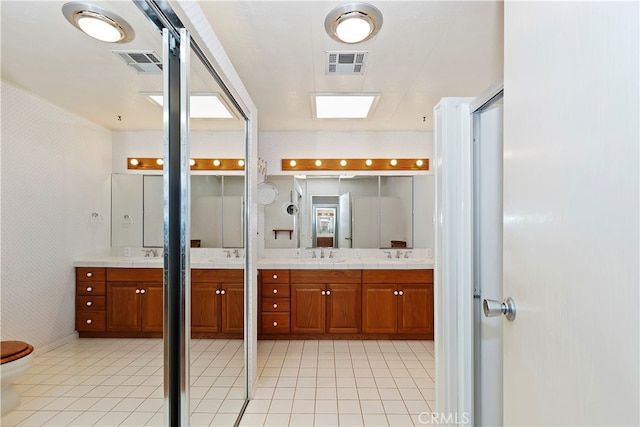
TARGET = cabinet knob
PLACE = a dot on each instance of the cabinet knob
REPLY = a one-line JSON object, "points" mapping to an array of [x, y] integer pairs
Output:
{"points": [[142, 291], [395, 293], [89, 321], [328, 292], [89, 274], [217, 291], [275, 291], [275, 276], [275, 324], [222, 292], [400, 293], [323, 293], [137, 291], [275, 305], [89, 289], [89, 303]]}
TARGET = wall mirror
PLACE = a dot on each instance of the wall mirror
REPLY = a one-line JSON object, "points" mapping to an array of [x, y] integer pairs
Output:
{"points": [[217, 211], [361, 211]]}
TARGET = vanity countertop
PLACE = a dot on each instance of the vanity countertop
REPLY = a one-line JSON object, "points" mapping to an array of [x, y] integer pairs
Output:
{"points": [[268, 263], [346, 263]]}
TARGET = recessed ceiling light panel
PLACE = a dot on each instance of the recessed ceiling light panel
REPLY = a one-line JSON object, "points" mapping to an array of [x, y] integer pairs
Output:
{"points": [[343, 106], [202, 106], [353, 22], [97, 22]]}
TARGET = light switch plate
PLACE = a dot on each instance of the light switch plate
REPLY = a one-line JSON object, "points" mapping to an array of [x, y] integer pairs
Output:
{"points": [[205, 253], [429, 253], [127, 251]]}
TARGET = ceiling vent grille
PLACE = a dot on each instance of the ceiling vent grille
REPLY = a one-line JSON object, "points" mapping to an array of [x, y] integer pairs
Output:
{"points": [[143, 61], [345, 62]]}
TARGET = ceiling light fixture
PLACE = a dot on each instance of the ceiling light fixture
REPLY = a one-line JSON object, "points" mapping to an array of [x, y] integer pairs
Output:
{"points": [[201, 106], [353, 22], [343, 105], [97, 22]]}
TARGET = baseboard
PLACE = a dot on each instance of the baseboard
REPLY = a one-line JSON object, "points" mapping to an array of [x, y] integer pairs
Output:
{"points": [[57, 343]]}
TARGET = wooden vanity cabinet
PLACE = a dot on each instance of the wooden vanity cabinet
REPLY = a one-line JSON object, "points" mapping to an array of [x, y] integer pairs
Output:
{"points": [[274, 301], [90, 299], [397, 302], [325, 301], [134, 300], [217, 302]]}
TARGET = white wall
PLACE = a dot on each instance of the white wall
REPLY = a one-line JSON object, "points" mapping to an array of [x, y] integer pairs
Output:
{"points": [[55, 172]]}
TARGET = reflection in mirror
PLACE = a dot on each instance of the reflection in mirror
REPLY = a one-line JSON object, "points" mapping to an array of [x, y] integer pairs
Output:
{"points": [[366, 211]]}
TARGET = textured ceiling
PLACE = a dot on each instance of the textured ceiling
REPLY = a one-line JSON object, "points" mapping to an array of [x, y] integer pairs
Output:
{"points": [[425, 50]]}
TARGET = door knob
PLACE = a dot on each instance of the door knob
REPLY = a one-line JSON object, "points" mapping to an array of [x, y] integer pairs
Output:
{"points": [[493, 308]]}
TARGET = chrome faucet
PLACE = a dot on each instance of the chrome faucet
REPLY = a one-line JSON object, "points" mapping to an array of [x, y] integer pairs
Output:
{"points": [[148, 252], [331, 254], [406, 254], [313, 254], [398, 253], [388, 254], [321, 253], [236, 253], [228, 253]]}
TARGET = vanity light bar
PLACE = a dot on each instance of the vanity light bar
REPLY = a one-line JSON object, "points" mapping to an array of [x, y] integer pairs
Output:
{"points": [[154, 163], [354, 164]]}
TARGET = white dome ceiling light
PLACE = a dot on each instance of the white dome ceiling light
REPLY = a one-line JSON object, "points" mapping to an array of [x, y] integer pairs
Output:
{"points": [[353, 22], [98, 22]]}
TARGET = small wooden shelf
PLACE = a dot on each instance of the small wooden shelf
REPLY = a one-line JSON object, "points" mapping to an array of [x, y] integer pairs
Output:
{"points": [[275, 233]]}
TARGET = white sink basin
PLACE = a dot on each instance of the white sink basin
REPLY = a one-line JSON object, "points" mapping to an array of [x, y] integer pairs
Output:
{"points": [[403, 260], [326, 260]]}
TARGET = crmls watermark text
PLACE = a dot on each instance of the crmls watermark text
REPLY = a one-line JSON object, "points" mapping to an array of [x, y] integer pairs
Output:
{"points": [[436, 418]]}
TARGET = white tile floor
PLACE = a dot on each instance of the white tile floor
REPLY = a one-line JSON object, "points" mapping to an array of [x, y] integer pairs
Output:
{"points": [[113, 382], [118, 382], [342, 383]]}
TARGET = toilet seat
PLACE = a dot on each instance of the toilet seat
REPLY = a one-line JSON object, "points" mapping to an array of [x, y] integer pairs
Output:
{"points": [[14, 350]]}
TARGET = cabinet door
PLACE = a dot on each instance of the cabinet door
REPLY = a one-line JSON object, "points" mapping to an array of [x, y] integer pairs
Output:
{"points": [[308, 307], [232, 308], [205, 307], [415, 309], [152, 307], [379, 309], [344, 308], [123, 307]]}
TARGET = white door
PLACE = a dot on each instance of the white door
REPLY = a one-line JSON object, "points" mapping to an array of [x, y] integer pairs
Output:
{"points": [[487, 278], [571, 187], [344, 222]]}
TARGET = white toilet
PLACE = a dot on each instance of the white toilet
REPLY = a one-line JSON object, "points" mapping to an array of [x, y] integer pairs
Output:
{"points": [[16, 359]]}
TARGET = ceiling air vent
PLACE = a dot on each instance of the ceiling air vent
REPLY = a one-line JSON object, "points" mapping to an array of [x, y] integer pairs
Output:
{"points": [[143, 61], [345, 62]]}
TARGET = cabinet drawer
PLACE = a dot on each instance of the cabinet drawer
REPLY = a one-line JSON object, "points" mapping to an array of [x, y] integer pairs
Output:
{"points": [[86, 288], [90, 274], [275, 304], [90, 303], [275, 291], [275, 276], [275, 323], [90, 320]]}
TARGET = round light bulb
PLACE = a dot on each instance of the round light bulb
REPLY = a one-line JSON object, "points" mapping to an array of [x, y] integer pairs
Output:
{"points": [[292, 163], [393, 162], [134, 162], [216, 163], [192, 162], [318, 163], [240, 162], [160, 162], [419, 163], [99, 27], [353, 28], [343, 163], [368, 162]]}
